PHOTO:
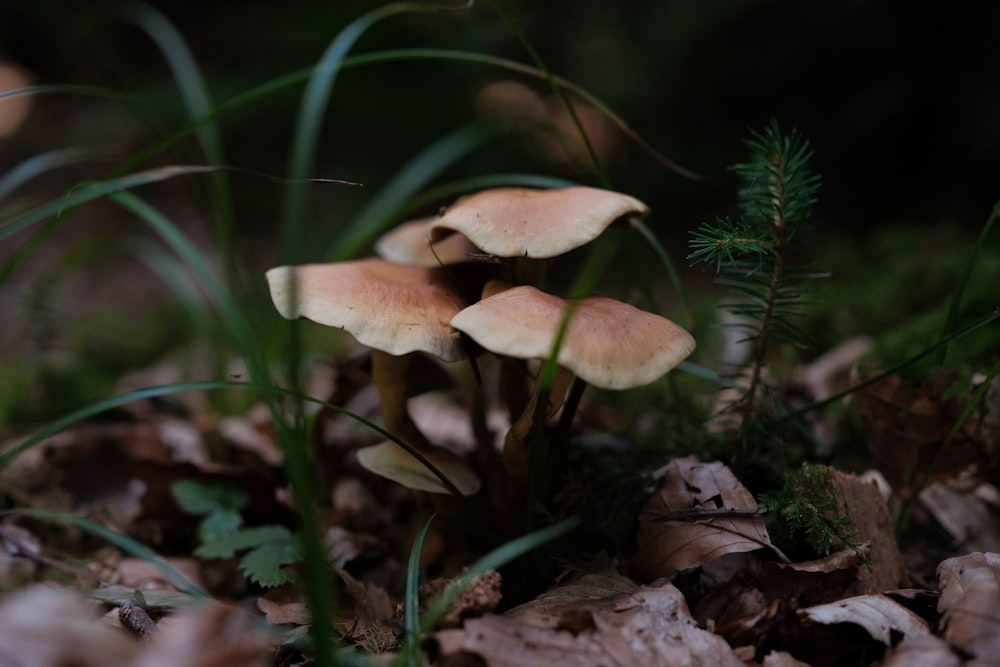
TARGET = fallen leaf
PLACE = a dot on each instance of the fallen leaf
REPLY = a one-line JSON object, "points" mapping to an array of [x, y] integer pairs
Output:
{"points": [[926, 651], [970, 604], [877, 614], [872, 524], [782, 659], [650, 626], [481, 597], [694, 519], [49, 626], [906, 426], [214, 635], [966, 516]]}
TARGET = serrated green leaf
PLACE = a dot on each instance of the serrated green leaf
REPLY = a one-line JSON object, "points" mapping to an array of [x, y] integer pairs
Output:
{"points": [[219, 524], [245, 538], [195, 497], [262, 565]]}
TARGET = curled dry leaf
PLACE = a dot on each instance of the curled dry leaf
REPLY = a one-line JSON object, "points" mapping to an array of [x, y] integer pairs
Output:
{"points": [[694, 519], [906, 425], [480, 598], [877, 614], [650, 626], [970, 602], [871, 522], [967, 517], [926, 651]]}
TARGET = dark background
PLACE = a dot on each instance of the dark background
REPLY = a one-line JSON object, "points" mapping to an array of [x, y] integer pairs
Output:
{"points": [[901, 101]]}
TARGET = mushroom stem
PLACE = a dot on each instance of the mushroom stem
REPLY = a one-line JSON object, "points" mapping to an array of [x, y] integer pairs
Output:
{"points": [[390, 376], [517, 444]]}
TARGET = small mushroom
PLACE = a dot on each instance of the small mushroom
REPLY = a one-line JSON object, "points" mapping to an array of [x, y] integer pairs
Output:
{"points": [[407, 243], [608, 344], [393, 309], [533, 223]]}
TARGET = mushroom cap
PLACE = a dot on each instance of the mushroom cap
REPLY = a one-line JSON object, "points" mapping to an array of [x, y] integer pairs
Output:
{"points": [[389, 460], [608, 344], [527, 222], [407, 243], [389, 307]]}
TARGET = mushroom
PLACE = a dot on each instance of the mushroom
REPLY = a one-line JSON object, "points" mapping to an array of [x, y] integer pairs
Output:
{"points": [[407, 243], [526, 226], [394, 310], [608, 343], [533, 223]]}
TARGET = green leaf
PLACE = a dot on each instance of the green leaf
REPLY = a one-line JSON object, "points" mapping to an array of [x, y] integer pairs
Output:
{"points": [[245, 538], [263, 564], [218, 524], [195, 497]]}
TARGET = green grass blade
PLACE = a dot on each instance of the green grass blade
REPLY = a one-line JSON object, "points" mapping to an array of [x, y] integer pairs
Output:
{"points": [[113, 402], [986, 320], [43, 163], [123, 542], [494, 559], [292, 79], [411, 647], [198, 103], [670, 267], [65, 89], [386, 204], [956, 299], [88, 192], [559, 91]]}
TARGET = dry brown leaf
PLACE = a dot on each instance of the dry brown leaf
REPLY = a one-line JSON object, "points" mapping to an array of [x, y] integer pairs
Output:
{"points": [[549, 608], [970, 603], [872, 522], [877, 614], [905, 426], [284, 612], [699, 495], [782, 659], [214, 635], [926, 651], [373, 622], [967, 517], [481, 597], [47, 626], [650, 626]]}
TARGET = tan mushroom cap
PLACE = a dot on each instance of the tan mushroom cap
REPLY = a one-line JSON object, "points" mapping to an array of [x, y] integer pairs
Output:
{"points": [[526, 222], [609, 344], [389, 460], [389, 307], [407, 243]]}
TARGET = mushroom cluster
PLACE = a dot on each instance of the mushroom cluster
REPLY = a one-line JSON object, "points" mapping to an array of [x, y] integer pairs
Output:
{"points": [[408, 301]]}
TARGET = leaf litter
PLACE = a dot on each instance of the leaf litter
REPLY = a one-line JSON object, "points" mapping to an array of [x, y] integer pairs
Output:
{"points": [[704, 583]]}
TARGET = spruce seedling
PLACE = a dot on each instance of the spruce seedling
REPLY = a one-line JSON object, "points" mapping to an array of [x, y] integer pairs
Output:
{"points": [[752, 256]]}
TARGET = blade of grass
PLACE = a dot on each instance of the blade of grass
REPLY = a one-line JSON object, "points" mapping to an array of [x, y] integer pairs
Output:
{"points": [[292, 79], [924, 476], [96, 408], [670, 267], [956, 299], [43, 163], [411, 646], [198, 103], [496, 558], [123, 542], [558, 90], [379, 214], [945, 340]]}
